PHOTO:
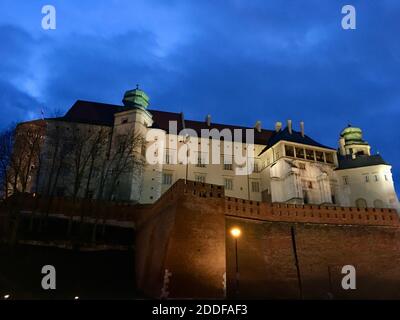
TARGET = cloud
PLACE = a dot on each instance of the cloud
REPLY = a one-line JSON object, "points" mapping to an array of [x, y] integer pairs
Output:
{"points": [[240, 61]]}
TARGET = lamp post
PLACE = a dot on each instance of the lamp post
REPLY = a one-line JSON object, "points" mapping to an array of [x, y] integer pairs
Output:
{"points": [[236, 232]]}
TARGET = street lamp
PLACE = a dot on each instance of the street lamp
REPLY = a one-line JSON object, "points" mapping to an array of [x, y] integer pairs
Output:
{"points": [[236, 232]]}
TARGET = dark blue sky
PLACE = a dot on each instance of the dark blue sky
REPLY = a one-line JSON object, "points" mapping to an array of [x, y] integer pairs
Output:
{"points": [[241, 61]]}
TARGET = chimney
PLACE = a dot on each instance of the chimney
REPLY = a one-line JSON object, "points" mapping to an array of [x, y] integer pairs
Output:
{"points": [[302, 128], [289, 125], [208, 120], [257, 126], [183, 120], [278, 126], [341, 146]]}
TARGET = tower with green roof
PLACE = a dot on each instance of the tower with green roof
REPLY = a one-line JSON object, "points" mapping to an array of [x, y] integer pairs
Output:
{"points": [[351, 142]]}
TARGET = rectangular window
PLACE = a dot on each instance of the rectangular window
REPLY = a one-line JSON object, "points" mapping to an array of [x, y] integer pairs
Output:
{"points": [[255, 186], [201, 162], [319, 156], [228, 166], [228, 163], [366, 178], [289, 151], [167, 178], [386, 178], [302, 166], [200, 178], [329, 157], [300, 153], [345, 180], [256, 166], [310, 154], [228, 183], [124, 120], [167, 157]]}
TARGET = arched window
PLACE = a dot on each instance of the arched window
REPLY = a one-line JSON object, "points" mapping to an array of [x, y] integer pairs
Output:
{"points": [[361, 203], [378, 203]]}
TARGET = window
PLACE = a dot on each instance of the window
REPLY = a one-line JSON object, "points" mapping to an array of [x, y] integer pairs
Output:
{"points": [[319, 156], [299, 153], [200, 161], [345, 180], [124, 120], [255, 186], [386, 178], [289, 151], [361, 203], [310, 154], [302, 166], [376, 178], [309, 185], [329, 157], [366, 178], [228, 183], [256, 166], [228, 166], [200, 178], [167, 157], [378, 204], [228, 163], [167, 178]]}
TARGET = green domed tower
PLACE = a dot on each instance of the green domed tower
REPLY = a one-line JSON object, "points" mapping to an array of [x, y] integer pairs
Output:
{"points": [[136, 98], [351, 141]]}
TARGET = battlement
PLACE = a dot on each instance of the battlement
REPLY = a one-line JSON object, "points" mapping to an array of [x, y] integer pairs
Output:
{"points": [[284, 212]]}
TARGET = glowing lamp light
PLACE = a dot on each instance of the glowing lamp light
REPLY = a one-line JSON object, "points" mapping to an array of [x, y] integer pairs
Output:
{"points": [[235, 232], [76, 298], [7, 296]]}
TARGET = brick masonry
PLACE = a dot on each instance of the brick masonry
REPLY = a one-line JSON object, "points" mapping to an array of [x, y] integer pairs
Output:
{"points": [[184, 248], [186, 232]]}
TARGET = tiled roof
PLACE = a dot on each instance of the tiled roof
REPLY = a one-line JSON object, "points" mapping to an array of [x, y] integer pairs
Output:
{"points": [[103, 114], [347, 162]]}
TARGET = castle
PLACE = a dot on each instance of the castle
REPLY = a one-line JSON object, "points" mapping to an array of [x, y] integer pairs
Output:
{"points": [[301, 211], [287, 166]]}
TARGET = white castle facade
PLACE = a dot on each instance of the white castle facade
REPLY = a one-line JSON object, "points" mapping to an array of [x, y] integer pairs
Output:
{"points": [[287, 165]]}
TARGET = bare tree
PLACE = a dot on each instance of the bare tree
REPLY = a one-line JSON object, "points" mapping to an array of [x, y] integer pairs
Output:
{"points": [[23, 166], [6, 147], [125, 156], [26, 155]]}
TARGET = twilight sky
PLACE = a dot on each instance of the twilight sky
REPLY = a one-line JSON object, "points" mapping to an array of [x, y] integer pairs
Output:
{"points": [[240, 61]]}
